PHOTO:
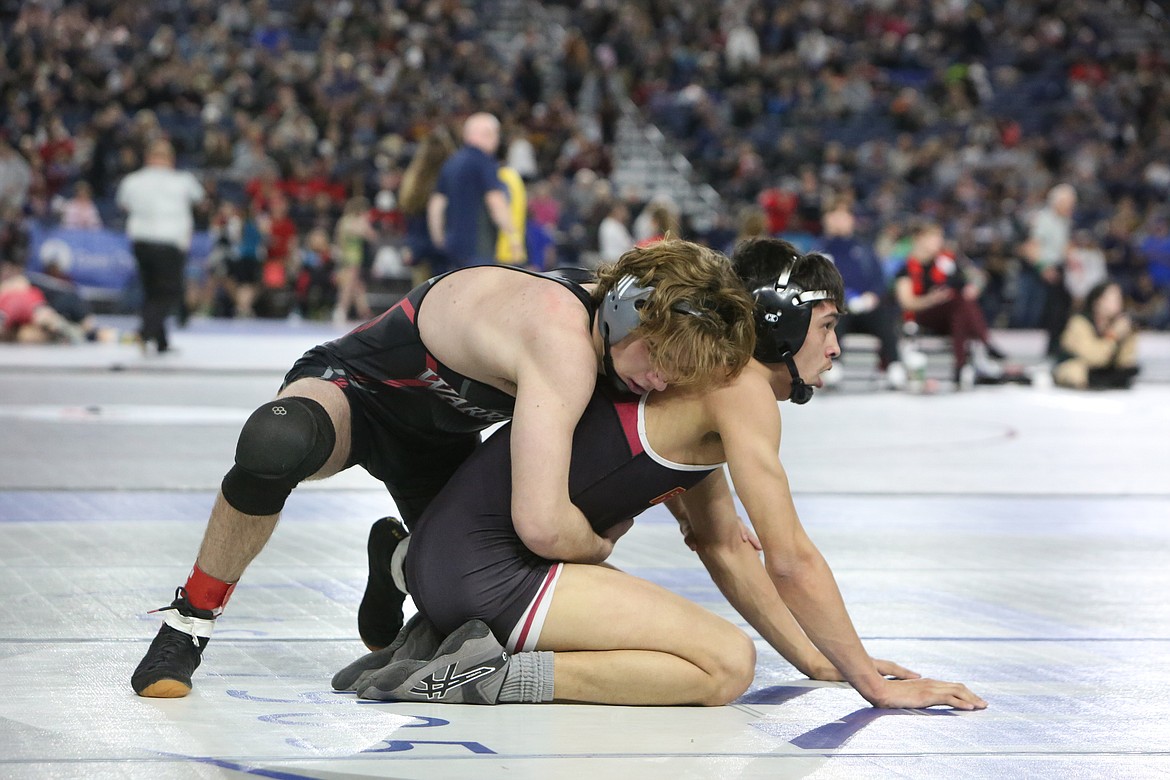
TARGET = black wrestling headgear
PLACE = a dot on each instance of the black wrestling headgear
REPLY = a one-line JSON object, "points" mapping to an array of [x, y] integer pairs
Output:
{"points": [[783, 313]]}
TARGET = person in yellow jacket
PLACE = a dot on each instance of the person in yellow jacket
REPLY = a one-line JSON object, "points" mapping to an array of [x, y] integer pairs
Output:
{"points": [[518, 207]]}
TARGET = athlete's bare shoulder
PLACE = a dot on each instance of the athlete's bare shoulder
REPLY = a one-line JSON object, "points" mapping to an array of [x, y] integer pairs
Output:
{"points": [[694, 425], [490, 320], [549, 293], [511, 297], [750, 388], [745, 405]]}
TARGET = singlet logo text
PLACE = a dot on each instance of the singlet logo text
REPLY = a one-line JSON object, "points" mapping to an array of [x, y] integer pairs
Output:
{"points": [[439, 386]]}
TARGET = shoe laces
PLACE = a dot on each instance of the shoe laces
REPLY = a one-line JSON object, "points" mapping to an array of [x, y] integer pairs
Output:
{"points": [[178, 604]]}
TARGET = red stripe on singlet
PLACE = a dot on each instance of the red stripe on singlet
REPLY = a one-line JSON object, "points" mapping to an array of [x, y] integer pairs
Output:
{"points": [[531, 616], [432, 365], [403, 304], [628, 415]]}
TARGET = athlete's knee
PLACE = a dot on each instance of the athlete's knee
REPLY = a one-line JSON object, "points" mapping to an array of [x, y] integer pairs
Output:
{"points": [[281, 444], [734, 668]]}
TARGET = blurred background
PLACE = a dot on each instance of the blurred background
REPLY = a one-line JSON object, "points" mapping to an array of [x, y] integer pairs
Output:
{"points": [[624, 120]]}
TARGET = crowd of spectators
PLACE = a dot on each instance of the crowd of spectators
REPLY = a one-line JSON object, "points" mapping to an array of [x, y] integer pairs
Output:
{"points": [[286, 111], [962, 112]]}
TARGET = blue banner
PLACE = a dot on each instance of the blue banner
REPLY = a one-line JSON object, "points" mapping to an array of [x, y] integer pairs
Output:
{"points": [[101, 259]]}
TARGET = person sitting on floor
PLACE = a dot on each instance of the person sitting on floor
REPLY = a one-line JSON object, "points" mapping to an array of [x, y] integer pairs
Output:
{"points": [[25, 314], [1098, 348]]}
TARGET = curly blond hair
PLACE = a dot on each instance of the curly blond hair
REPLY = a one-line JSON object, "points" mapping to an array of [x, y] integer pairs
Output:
{"points": [[698, 321]]}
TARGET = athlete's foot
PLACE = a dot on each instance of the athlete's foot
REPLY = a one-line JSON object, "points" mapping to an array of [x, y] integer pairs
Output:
{"points": [[165, 671], [418, 640], [468, 668], [380, 613]]}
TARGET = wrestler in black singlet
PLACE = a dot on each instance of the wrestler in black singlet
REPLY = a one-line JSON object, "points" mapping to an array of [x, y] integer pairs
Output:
{"points": [[414, 420], [465, 559]]}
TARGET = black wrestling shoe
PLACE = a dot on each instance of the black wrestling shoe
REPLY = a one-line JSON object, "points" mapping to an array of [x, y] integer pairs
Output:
{"points": [[165, 670], [380, 613]]}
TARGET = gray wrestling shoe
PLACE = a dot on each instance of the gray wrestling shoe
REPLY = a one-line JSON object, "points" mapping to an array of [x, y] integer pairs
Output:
{"points": [[418, 640], [468, 668]]}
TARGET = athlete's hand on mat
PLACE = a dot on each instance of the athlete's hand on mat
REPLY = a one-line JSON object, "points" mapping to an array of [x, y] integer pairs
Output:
{"points": [[891, 669], [924, 692]]}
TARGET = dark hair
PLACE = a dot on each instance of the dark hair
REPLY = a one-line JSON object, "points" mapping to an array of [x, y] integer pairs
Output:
{"points": [[1095, 295], [760, 261]]}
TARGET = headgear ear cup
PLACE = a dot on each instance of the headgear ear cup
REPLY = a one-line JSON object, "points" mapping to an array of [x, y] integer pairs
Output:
{"points": [[783, 314], [620, 312]]}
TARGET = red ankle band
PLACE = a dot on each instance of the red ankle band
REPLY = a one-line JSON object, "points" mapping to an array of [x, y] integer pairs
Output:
{"points": [[206, 592]]}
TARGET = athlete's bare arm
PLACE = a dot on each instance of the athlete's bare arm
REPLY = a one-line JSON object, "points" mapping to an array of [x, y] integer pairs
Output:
{"points": [[748, 422], [555, 374], [680, 426], [731, 555], [530, 337], [735, 567]]}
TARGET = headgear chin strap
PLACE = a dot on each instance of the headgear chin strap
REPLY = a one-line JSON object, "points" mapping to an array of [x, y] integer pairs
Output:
{"points": [[618, 315], [802, 392], [783, 314]]}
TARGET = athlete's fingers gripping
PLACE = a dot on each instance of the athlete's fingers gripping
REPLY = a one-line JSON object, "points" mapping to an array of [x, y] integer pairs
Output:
{"points": [[891, 669], [958, 696], [924, 692], [970, 697]]}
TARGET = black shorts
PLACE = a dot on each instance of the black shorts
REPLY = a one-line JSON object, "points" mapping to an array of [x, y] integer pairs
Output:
{"points": [[466, 560], [481, 570], [414, 467], [244, 271]]}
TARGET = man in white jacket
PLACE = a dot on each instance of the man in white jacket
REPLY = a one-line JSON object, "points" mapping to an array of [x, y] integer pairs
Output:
{"points": [[158, 200]]}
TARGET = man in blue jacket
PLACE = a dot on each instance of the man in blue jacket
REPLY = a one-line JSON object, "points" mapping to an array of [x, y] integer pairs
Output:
{"points": [[869, 308], [468, 211]]}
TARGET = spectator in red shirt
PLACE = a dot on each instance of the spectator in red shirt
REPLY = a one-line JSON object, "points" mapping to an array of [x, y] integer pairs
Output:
{"points": [[282, 242], [934, 290]]}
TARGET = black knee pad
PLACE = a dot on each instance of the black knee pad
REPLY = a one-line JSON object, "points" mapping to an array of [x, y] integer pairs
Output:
{"points": [[282, 443]]}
